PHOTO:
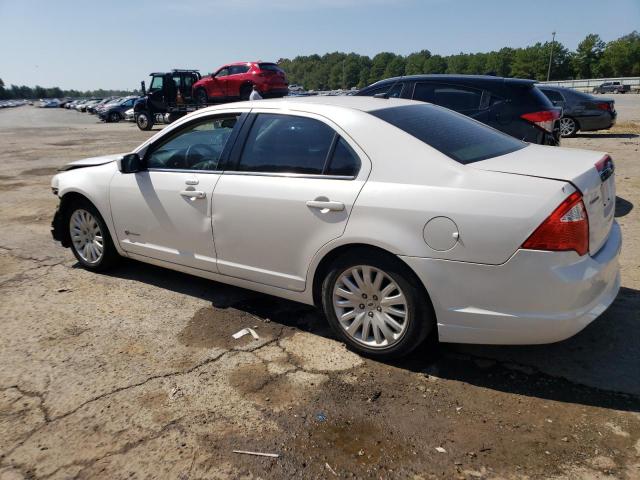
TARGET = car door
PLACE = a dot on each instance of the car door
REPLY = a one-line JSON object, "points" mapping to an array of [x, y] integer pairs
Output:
{"points": [[218, 84], [235, 80], [164, 211], [289, 190]]}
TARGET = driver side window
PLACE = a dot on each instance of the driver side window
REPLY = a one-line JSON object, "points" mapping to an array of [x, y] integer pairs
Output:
{"points": [[222, 73], [198, 146]]}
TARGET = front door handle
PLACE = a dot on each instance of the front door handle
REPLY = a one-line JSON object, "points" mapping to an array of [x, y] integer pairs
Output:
{"points": [[326, 205], [193, 194]]}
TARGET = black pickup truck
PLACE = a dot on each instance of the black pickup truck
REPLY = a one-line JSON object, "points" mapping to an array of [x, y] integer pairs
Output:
{"points": [[168, 98], [611, 87]]}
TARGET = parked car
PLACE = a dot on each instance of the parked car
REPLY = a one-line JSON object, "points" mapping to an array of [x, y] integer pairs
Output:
{"points": [[581, 111], [612, 87], [512, 105], [398, 218], [236, 80], [83, 106], [114, 111], [94, 108]]}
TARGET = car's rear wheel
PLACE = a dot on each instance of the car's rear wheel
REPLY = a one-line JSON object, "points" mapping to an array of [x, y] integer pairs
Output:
{"points": [[91, 242], [373, 304], [114, 117], [568, 127], [144, 121]]}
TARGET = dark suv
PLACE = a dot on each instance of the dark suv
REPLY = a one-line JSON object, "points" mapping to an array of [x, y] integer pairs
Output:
{"points": [[512, 105]]}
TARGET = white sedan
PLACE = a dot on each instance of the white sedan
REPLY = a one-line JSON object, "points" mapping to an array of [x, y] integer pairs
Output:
{"points": [[399, 219]]}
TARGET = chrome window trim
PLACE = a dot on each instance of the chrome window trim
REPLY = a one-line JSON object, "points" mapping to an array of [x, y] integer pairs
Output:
{"points": [[255, 174], [182, 170], [289, 174]]}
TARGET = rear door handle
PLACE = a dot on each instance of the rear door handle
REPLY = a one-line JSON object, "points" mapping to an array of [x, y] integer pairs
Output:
{"points": [[193, 194], [326, 205]]}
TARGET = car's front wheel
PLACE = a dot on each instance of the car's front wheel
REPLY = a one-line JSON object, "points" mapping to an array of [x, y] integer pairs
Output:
{"points": [[144, 121], [568, 127], [201, 97], [373, 304], [90, 240], [114, 117]]}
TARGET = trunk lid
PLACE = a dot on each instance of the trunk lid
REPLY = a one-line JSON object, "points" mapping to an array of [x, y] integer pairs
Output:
{"points": [[585, 169]]}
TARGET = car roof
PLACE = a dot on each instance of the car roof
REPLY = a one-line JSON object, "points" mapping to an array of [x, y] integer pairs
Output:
{"points": [[319, 103], [470, 79]]}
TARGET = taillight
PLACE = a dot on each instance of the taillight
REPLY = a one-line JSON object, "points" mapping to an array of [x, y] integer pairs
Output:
{"points": [[604, 106], [605, 167], [567, 228], [543, 119]]}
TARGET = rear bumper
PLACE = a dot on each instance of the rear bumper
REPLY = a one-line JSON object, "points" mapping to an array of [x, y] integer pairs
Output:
{"points": [[597, 122], [535, 297]]}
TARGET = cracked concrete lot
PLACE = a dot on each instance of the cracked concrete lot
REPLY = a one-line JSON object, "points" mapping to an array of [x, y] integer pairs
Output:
{"points": [[134, 374]]}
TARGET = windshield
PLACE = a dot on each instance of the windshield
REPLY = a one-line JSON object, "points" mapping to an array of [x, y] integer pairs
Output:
{"points": [[457, 136]]}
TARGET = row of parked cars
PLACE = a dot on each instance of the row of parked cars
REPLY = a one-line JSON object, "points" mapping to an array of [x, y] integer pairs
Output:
{"points": [[13, 103], [110, 109]]}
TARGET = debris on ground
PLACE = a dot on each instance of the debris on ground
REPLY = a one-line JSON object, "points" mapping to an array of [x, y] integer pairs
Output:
{"points": [[246, 331], [441, 450], [330, 469], [258, 454]]}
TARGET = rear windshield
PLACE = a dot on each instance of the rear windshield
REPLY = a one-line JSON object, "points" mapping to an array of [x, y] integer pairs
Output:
{"points": [[272, 67], [455, 135]]}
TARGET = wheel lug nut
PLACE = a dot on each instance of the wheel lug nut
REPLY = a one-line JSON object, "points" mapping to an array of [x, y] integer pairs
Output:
{"points": [[371, 314], [361, 306], [379, 309], [375, 297], [364, 295]]}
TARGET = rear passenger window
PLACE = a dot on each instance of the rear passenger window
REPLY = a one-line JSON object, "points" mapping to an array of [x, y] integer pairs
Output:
{"points": [[553, 95], [457, 98], [237, 69], [286, 144], [344, 161]]}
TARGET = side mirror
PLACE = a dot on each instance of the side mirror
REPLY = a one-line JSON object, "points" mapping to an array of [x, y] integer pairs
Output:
{"points": [[130, 163], [143, 88]]}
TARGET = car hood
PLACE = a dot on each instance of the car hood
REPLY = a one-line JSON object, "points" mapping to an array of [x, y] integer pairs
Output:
{"points": [[90, 162]]}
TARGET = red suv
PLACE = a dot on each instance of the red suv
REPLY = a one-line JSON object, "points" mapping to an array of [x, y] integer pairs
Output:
{"points": [[235, 81]]}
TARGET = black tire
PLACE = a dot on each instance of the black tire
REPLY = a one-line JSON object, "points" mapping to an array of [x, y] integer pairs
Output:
{"points": [[420, 319], [568, 127], [109, 253], [245, 92], [144, 120], [114, 117], [201, 97]]}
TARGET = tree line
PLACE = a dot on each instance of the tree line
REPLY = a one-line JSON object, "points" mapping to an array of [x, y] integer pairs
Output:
{"points": [[593, 58], [24, 92]]}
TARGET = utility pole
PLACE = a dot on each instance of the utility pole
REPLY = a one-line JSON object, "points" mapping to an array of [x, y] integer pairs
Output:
{"points": [[553, 42]]}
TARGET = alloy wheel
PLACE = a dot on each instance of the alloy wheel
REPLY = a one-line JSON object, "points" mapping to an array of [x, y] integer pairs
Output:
{"points": [[370, 306], [567, 126], [86, 236]]}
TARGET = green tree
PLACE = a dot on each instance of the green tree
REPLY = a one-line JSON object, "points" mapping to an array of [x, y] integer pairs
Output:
{"points": [[621, 57], [587, 57], [415, 62], [435, 64], [379, 65]]}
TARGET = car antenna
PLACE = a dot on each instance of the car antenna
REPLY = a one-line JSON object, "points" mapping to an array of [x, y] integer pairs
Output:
{"points": [[386, 94]]}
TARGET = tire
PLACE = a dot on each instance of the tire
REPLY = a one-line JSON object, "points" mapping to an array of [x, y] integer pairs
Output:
{"points": [[114, 117], [201, 97], [86, 227], [245, 92], [411, 320], [144, 120], [568, 127]]}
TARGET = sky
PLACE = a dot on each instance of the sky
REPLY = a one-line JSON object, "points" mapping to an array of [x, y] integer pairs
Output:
{"points": [[114, 44]]}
